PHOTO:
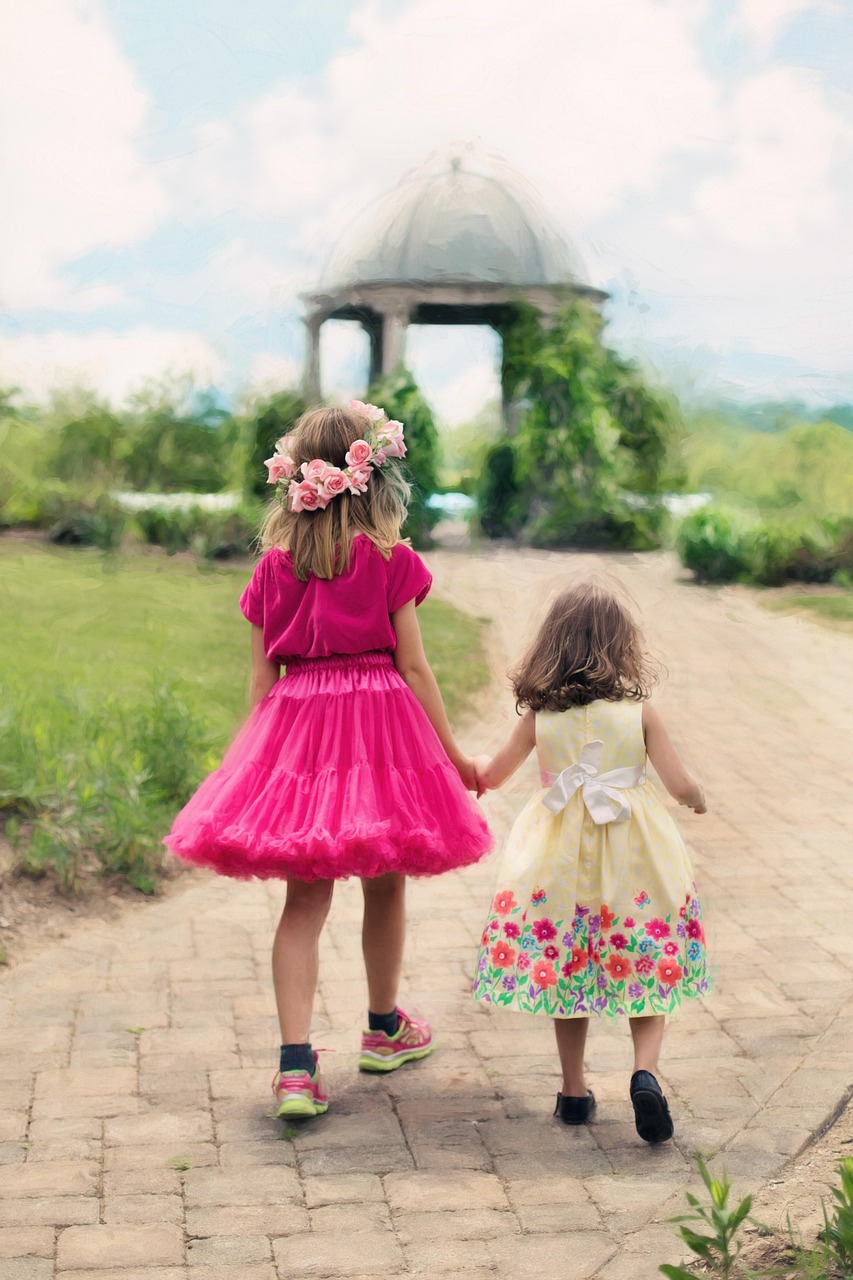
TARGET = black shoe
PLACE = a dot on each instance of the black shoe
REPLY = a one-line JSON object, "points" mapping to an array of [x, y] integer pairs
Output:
{"points": [[651, 1113], [575, 1110]]}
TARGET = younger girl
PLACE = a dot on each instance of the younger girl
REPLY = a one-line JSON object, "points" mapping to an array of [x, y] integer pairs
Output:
{"points": [[347, 765], [596, 910]]}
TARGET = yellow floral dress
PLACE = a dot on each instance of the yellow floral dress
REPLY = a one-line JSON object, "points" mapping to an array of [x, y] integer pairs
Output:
{"points": [[596, 910]]}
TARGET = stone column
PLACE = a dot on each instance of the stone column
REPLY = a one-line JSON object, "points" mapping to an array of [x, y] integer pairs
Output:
{"points": [[311, 381], [393, 342]]}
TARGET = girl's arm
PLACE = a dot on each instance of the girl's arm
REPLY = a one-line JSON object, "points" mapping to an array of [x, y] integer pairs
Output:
{"points": [[412, 664], [680, 784], [494, 773], [265, 673]]}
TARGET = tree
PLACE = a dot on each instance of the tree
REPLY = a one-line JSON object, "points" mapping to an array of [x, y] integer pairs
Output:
{"points": [[267, 422], [399, 396], [591, 436]]}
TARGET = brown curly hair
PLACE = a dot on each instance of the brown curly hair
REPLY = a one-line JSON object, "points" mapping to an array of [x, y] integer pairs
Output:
{"points": [[588, 647]]}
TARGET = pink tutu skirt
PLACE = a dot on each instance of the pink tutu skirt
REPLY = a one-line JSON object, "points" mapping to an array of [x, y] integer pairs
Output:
{"points": [[337, 772]]}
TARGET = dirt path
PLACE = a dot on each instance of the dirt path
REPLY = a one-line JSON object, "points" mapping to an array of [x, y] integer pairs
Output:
{"points": [[134, 1058]]}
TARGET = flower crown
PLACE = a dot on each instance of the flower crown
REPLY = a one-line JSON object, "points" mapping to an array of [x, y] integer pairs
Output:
{"points": [[320, 480]]}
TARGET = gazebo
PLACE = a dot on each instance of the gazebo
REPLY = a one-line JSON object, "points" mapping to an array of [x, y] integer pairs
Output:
{"points": [[459, 241]]}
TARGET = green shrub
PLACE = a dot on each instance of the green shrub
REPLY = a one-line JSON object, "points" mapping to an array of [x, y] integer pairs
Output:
{"points": [[711, 542], [498, 492], [89, 522], [724, 544], [211, 535], [98, 780]]}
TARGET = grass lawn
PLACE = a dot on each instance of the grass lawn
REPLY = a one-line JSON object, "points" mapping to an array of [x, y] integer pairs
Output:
{"points": [[835, 609], [105, 625], [122, 680]]}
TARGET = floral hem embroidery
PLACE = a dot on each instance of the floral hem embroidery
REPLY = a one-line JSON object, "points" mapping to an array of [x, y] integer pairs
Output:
{"points": [[594, 963]]}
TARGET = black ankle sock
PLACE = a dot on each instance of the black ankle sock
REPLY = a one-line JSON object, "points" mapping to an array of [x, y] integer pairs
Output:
{"points": [[387, 1022], [296, 1057]]}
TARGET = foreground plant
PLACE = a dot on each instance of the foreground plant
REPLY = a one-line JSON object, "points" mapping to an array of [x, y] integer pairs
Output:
{"points": [[718, 1248], [832, 1257]]}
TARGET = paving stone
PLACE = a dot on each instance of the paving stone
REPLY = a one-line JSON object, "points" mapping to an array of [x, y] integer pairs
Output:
{"points": [[252, 1271], [354, 1188], [157, 1128], [546, 1254], [324, 1161], [460, 1224], [143, 1209], [430, 1192], [142, 1182], [113, 1247], [549, 1219], [40, 1211], [26, 1269], [333, 1256], [171, 1155], [233, 1188], [351, 1218], [19, 1242], [228, 1251], [131, 1273], [435, 1257], [248, 1220]]}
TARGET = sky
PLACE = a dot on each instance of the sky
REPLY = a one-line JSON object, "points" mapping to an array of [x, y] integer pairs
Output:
{"points": [[176, 173]]}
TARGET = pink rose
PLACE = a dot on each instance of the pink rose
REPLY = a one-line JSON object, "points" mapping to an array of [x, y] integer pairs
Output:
{"points": [[305, 496], [279, 468], [379, 457], [334, 482], [391, 437], [359, 453], [284, 445], [314, 470], [358, 479], [371, 411]]}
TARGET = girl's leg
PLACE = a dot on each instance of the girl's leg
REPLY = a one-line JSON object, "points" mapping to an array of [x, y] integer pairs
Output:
{"points": [[296, 957], [571, 1042], [383, 935], [647, 1034]]}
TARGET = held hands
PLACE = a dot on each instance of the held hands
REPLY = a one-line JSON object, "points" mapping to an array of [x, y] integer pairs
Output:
{"points": [[481, 770], [471, 772]]}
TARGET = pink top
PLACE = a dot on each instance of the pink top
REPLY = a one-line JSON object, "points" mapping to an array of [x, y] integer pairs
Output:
{"points": [[349, 614]]}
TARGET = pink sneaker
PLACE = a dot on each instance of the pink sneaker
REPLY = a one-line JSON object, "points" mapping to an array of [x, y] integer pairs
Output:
{"points": [[381, 1052], [300, 1095]]}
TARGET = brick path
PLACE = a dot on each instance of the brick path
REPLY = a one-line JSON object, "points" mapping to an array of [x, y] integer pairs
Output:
{"points": [[135, 1133]]}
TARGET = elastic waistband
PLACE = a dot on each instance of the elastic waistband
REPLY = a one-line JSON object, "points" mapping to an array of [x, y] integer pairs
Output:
{"points": [[342, 661]]}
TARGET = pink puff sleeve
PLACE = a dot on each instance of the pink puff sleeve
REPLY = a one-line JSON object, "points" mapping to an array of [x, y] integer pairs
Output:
{"points": [[252, 599], [408, 578]]}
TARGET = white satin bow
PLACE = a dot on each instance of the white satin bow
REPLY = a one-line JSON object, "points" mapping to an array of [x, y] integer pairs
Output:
{"points": [[600, 791]]}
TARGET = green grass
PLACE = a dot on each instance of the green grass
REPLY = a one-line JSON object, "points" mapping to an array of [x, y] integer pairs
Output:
{"points": [[122, 678], [828, 608]]}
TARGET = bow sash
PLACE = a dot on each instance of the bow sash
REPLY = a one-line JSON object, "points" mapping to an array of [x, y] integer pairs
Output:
{"points": [[600, 791]]}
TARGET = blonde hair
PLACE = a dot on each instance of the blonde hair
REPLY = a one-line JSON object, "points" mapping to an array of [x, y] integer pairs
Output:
{"points": [[588, 647], [320, 541]]}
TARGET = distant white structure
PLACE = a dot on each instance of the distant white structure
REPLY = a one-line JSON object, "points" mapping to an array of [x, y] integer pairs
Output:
{"points": [[459, 241]]}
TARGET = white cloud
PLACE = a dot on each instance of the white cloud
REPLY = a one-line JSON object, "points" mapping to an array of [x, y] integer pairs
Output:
{"points": [[73, 175], [781, 150], [269, 373], [114, 364], [763, 20], [588, 101]]}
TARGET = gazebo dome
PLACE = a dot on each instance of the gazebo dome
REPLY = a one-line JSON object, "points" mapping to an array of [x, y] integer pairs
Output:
{"points": [[461, 240], [462, 217]]}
